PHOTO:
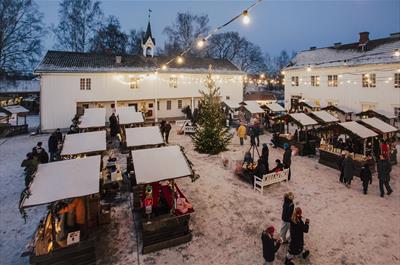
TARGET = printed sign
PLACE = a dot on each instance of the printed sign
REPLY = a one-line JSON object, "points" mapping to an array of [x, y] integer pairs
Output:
{"points": [[73, 237]]}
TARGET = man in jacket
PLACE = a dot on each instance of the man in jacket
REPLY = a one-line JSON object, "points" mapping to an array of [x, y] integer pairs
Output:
{"points": [[340, 166], [297, 230], [241, 132], [366, 177], [270, 245], [384, 168], [53, 146], [167, 129], [40, 153], [30, 165], [287, 212], [265, 157], [287, 158], [348, 169]]}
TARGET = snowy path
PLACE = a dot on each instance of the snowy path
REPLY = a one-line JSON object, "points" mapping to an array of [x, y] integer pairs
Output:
{"points": [[347, 227]]}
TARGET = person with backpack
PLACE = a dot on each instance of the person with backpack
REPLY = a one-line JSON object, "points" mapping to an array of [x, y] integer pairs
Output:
{"points": [[366, 177], [270, 245]]}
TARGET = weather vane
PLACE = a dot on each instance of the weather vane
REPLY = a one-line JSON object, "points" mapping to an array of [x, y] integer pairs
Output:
{"points": [[150, 13]]}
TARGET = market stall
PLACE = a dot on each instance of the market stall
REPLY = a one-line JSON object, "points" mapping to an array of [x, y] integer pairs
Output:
{"points": [[143, 137], [272, 110], [380, 114], [308, 106], [343, 113], [10, 120], [83, 144], [128, 117], [357, 139], [230, 109], [299, 135], [323, 117], [66, 234], [92, 119], [165, 211]]}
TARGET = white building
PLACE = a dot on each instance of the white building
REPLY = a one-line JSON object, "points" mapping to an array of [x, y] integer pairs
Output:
{"points": [[360, 76], [71, 81]]}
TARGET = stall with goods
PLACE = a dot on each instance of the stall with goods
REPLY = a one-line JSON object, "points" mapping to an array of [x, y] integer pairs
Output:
{"points": [[92, 119], [128, 117], [10, 124], [83, 144], [164, 210], [272, 111], [143, 137], [343, 113]]}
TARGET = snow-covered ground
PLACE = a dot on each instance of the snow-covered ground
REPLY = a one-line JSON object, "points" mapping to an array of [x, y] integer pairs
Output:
{"points": [[347, 227]]}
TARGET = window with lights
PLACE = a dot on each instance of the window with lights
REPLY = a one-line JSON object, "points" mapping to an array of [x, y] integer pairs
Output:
{"points": [[369, 80], [397, 80], [314, 80], [173, 82], [332, 80], [295, 81], [134, 83]]}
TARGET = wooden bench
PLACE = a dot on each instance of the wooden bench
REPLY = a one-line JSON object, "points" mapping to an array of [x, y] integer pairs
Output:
{"points": [[268, 179]]}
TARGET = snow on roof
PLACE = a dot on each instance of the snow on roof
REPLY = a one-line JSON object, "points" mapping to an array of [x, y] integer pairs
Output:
{"points": [[381, 52], [157, 164], [386, 114], [303, 119], [325, 116], [358, 129], [128, 115], [232, 104], [81, 143], [345, 109], [141, 136], [93, 118], [64, 179], [310, 103], [2, 114], [275, 107], [253, 107], [379, 125], [15, 109]]}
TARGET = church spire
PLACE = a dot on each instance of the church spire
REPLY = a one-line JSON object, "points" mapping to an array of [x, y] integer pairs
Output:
{"points": [[148, 42]]}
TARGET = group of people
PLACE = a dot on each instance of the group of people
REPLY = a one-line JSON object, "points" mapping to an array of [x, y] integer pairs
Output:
{"points": [[292, 222], [347, 168], [254, 131], [165, 128]]}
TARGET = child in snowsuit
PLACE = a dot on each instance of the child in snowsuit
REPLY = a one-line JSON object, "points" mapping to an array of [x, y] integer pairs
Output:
{"points": [[366, 177]]}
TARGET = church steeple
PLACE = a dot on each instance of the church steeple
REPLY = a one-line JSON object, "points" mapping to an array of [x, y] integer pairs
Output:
{"points": [[148, 42]]}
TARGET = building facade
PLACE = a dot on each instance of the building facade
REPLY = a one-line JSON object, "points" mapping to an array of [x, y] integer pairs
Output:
{"points": [[360, 76]]}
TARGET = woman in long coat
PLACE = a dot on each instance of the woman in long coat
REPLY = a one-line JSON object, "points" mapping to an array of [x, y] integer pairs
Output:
{"points": [[297, 230]]}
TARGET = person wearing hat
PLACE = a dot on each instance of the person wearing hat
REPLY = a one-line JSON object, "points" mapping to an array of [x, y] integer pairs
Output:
{"points": [[287, 158], [297, 230], [41, 154], [287, 212], [270, 245], [279, 166], [241, 132]]}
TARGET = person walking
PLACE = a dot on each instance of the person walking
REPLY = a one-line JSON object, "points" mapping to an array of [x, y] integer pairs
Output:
{"points": [[265, 156], [340, 166], [59, 135], [30, 164], [287, 158], [270, 245], [114, 126], [53, 146], [241, 132], [256, 131], [297, 230], [162, 129], [252, 136], [366, 177], [287, 212], [167, 129], [384, 168], [348, 169], [40, 153]]}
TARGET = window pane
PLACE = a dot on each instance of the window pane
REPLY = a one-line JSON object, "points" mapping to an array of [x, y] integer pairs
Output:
{"points": [[397, 80], [82, 85], [179, 104], [168, 104], [88, 84]]}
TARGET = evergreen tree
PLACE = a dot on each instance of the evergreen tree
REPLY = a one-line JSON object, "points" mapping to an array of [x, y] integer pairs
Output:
{"points": [[211, 137]]}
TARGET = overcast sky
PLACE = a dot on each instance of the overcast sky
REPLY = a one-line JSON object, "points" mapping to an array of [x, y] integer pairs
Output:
{"points": [[275, 24]]}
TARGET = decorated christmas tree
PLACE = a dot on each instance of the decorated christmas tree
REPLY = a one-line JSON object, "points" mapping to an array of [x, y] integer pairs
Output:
{"points": [[211, 136]]}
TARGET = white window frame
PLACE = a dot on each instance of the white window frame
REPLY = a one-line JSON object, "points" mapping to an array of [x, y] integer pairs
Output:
{"points": [[396, 80], [315, 80], [295, 81], [333, 80], [169, 105], [85, 83], [180, 103], [173, 82], [368, 80], [134, 83]]}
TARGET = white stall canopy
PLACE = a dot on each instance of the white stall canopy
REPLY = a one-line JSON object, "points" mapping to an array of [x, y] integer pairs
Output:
{"points": [[128, 115], [93, 118], [386, 114], [15, 109], [253, 107], [83, 143], [274, 107], [232, 104], [141, 136], [157, 164], [303, 119], [325, 116], [344, 109], [310, 104], [358, 129], [379, 125], [63, 180]]}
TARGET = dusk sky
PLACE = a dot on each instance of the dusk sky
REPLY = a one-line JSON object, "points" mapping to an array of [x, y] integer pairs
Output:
{"points": [[275, 25]]}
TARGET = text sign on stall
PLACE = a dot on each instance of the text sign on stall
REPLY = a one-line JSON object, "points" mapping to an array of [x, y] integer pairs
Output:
{"points": [[73, 237]]}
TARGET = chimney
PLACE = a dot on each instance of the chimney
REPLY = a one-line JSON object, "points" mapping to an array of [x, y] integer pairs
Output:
{"points": [[118, 59], [364, 38], [312, 48]]}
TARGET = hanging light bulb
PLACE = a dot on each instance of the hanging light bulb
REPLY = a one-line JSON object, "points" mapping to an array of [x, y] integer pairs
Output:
{"points": [[179, 59], [246, 18], [308, 68], [282, 72], [200, 43], [164, 67], [397, 52], [262, 76]]}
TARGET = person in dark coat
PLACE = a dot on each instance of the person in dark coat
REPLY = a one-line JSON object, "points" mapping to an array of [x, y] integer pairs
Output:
{"points": [[257, 132], [270, 245], [287, 212], [53, 146], [384, 168], [260, 169], [366, 177], [278, 168], [167, 130], [40, 153], [59, 135], [265, 157], [30, 165], [252, 136], [114, 126], [162, 129], [297, 230], [287, 158], [348, 169], [340, 166]]}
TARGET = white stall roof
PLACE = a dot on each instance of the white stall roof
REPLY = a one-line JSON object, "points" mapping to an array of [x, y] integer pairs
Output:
{"points": [[253, 107], [15, 109], [275, 107], [380, 125], [325, 116], [345, 109], [310, 103], [93, 118], [232, 104], [141, 136], [128, 115], [358, 129], [386, 114], [81, 143], [64, 179], [157, 164], [2, 114], [303, 119]]}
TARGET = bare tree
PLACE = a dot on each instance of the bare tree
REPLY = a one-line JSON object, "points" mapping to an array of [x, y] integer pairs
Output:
{"points": [[183, 33], [109, 37], [224, 45], [282, 60], [21, 31], [135, 41], [79, 21], [250, 58]]}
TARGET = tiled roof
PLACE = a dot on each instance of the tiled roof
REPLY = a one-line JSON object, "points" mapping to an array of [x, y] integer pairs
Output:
{"points": [[76, 62], [261, 96]]}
